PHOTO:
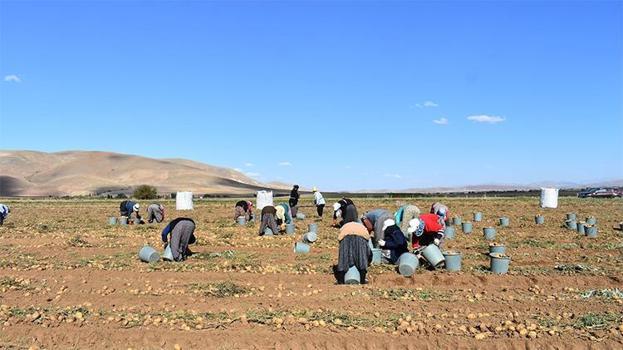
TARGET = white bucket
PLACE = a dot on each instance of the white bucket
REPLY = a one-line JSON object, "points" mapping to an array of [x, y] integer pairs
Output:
{"points": [[549, 197], [184, 201]]}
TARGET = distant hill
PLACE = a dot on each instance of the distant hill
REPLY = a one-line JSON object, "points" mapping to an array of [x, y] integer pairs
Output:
{"points": [[73, 173]]}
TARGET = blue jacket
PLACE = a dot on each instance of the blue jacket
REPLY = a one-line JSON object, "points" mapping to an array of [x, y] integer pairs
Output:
{"points": [[395, 242]]}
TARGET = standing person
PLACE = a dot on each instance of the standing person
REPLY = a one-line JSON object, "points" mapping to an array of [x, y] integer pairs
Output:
{"points": [[294, 199], [344, 211], [155, 212], [182, 234], [268, 220], [394, 243], [128, 207], [354, 250], [244, 208], [318, 201], [426, 230], [373, 220], [4, 213], [404, 214]]}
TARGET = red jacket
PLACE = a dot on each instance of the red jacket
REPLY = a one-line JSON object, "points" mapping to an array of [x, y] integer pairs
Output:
{"points": [[432, 223]]}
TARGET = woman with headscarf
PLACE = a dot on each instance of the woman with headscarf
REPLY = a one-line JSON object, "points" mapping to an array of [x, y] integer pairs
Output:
{"points": [[268, 215], [394, 243], [4, 212], [128, 207], [373, 220], [403, 215], [354, 250], [319, 201], [427, 229], [294, 199], [155, 212], [244, 208], [179, 233], [344, 211]]}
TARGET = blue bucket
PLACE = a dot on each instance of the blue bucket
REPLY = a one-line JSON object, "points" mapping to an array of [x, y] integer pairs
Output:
{"points": [[477, 216], [571, 225], [301, 248], [497, 248], [539, 219], [467, 227], [457, 221], [313, 228], [591, 220], [591, 231], [453, 261], [310, 237], [300, 216], [407, 264], [489, 233], [499, 263], [377, 254], [148, 254], [580, 227], [242, 220], [352, 276], [449, 232], [504, 221], [268, 232], [571, 216], [290, 229], [112, 220], [433, 255], [167, 254], [123, 220]]}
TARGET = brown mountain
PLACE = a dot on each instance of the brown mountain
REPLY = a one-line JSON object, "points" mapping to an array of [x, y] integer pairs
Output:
{"points": [[29, 173]]}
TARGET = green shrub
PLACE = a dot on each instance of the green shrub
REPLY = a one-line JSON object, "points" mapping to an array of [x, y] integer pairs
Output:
{"points": [[145, 192]]}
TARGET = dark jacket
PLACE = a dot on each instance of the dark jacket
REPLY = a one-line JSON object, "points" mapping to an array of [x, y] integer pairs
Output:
{"points": [[294, 197], [269, 209], [395, 242], [243, 204]]}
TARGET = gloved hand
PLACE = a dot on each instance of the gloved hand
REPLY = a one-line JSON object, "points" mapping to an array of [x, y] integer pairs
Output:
{"points": [[436, 241], [164, 245], [381, 243]]}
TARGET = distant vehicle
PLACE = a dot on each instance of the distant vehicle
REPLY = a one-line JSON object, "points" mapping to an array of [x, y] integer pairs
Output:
{"points": [[600, 193]]}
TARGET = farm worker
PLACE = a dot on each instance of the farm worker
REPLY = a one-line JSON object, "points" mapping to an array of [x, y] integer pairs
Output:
{"points": [[354, 250], [427, 229], [244, 208], [441, 210], [394, 242], [373, 221], [294, 199], [344, 211], [268, 220], [318, 201], [127, 208], [4, 213], [181, 232], [284, 215], [403, 215], [155, 212]]}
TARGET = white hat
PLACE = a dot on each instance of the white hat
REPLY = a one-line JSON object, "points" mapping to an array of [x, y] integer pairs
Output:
{"points": [[336, 206], [136, 207], [314, 189], [413, 225], [387, 223]]}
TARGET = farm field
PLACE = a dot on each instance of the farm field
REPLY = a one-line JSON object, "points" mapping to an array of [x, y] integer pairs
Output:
{"points": [[69, 280]]}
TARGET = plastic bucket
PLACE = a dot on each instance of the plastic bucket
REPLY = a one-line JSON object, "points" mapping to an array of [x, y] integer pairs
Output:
{"points": [[407, 264], [497, 248], [242, 220], [310, 237], [301, 248], [112, 220], [123, 220], [352, 276], [433, 255], [571, 225], [268, 232], [453, 261], [539, 219], [504, 221], [290, 229], [580, 227], [571, 216], [591, 220], [489, 233], [591, 231], [499, 263], [148, 254], [621, 226], [449, 232], [467, 227], [377, 254], [167, 254], [457, 221], [300, 216], [477, 216], [313, 228]]}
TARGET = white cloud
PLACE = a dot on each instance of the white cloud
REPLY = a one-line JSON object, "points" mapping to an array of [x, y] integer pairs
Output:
{"points": [[252, 174], [286, 163], [238, 170], [483, 118], [12, 78], [426, 104], [395, 176], [248, 165], [441, 121]]}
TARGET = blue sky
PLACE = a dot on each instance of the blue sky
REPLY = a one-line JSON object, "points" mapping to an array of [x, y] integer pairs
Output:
{"points": [[340, 95]]}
